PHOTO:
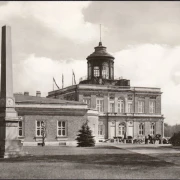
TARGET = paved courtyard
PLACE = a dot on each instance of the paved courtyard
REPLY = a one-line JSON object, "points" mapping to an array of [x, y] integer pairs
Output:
{"points": [[105, 161]]}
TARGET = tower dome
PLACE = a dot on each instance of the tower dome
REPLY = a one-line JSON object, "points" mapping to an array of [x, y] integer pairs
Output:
{"points": [[100, 51]]}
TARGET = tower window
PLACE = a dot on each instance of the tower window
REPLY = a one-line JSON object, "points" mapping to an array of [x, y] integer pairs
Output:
{"points": [[105, 71], [96, 71]]}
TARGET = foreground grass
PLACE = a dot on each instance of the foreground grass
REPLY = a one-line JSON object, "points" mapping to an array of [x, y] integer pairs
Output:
{"points": [[88, 163]]}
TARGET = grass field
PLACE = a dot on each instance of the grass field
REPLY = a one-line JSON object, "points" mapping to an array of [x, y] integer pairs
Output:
{"points": [[103, 162]]}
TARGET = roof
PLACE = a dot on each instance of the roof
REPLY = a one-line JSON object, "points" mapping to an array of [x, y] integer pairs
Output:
{"points": [[19, 98], [100, 51]]}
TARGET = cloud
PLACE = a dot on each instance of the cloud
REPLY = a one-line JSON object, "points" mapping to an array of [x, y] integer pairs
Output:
{"points": [[36, 74], [133, 23], [63, 18], [56, 30]]}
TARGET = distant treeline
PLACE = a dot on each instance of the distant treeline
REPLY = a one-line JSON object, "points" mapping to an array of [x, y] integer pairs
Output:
{"points": [[170, 130]]}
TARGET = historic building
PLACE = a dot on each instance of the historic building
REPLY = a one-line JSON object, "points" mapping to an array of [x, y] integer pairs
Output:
{"points": [[110, 105], [123, 110], [59, 119]]}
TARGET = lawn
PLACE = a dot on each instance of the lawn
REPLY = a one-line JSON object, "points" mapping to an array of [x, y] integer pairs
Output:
{"points": [[92, 163]]}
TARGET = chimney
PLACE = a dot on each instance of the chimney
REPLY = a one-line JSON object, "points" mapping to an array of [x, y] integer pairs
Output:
{"points": [[38, 93], [26, 93]]}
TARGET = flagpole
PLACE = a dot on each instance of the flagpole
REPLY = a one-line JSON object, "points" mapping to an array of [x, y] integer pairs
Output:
{"points": [[72, 77], [53, 85], [62, 81]]}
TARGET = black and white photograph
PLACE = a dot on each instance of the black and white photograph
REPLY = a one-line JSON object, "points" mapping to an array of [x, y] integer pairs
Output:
{"points": [[90, 90]]}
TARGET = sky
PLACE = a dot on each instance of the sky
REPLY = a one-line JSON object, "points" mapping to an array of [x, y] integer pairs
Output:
{"points": [[52, 38]]}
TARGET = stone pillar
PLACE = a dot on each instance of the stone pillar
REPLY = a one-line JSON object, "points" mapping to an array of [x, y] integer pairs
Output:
{"points": [[106, 103], [126, 105], [10, 145], [162, 128]]}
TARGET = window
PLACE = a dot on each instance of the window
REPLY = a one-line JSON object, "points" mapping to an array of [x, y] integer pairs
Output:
{"points": [[121, 130], [100, 105], [87, 101], [20, 128], [105, 71], [39, 128], [130, 109], [152, 130], [120, 105], [96, 71], [61, 128], [140, 106], [151, 106], [100, 129], [141, 129], [111, 107]]}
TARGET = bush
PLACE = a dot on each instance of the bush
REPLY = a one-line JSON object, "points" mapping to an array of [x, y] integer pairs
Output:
{"points": [[85, 138], [175, 139]]}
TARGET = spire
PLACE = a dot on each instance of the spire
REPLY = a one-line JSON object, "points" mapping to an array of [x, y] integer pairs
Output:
{"points": [[100, 43]]}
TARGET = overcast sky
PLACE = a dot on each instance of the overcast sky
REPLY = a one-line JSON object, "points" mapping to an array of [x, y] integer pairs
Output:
{"points": [[51, 38]]}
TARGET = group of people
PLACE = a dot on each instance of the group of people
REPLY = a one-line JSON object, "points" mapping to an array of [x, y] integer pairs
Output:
{"points": [[152, 139]]}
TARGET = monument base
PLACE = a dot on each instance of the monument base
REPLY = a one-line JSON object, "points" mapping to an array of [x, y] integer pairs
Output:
{"points": [[11, 148]]}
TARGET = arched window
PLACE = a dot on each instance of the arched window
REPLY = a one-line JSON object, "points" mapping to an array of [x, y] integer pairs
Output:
{"points": [[141, 129], [152, 129], [121, 129], [105, 71], [120, 105], [96, 71]]}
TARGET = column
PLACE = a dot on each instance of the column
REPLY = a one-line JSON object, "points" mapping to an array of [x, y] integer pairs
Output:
{"points": [[10, 145]]}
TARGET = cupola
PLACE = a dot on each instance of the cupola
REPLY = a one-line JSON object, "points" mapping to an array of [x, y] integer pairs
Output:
{"points": [[100, 64]]}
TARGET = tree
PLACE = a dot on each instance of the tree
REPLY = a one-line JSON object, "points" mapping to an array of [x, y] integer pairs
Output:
{"points": [[85, 138], [175, 139]]}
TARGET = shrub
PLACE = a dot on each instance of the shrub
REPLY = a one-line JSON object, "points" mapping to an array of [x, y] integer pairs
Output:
{"points": [[85, 138], [175, 139]]}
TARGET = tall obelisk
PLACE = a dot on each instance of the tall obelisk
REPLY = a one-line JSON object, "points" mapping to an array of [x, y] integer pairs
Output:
{"points": [[10, 145]]}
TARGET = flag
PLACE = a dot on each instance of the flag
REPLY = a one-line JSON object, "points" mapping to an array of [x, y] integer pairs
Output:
{"points": [[55, 83], [74, 77], [62, 81]]}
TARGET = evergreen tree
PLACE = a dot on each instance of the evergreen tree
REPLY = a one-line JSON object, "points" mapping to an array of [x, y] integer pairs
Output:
{"points": [[85, 138]]}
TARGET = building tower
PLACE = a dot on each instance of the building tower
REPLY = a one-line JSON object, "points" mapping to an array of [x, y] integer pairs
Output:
{"points": [[100, 68], [100, 65]]}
